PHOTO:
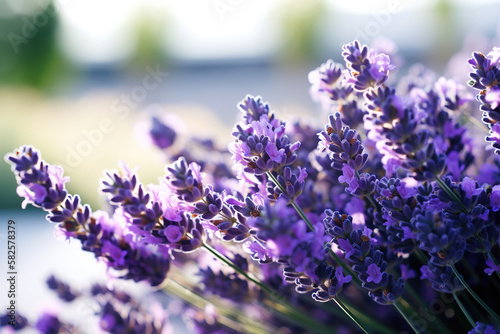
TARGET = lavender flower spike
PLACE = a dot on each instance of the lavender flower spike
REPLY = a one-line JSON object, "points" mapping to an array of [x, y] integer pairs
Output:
{"points": [[97, 232], [367, 68]]}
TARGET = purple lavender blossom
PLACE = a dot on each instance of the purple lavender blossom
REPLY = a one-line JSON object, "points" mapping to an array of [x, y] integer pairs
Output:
{"points": [[253, 108], [292, 183], [484, 329], [119, 312], [374, 274], [186, 180], [208, 204], [349, 176], [97, 232], [344, 143], [485, 77], [62, 289], [367, 261], [13, 322], [437, 236], [442, 278], [332, 281], [49, 323], [398, 203], [494, 137], [262, 146], [40, 184], [161, 135], [367, 68], [326, 85], [495, 198], [492, 267]]}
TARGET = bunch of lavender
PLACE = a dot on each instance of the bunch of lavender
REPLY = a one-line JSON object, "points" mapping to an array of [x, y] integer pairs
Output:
{"points": [[298, 229]]}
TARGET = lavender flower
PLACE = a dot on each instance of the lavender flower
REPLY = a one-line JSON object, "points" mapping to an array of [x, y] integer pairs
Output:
{"points": [[62, 289], [291, 182], [49, 323], [367, 68], [442, 278], [253, 108], [485, 77], [484, 329], [344, 144], [261, 147], [327, 86], [161, 135], [228, 286], [120, 313], [346, 155], [207, 203], [492, 267], [438, 237], [331, 282], [97, 232], [186, 181], [15, 322], [494, 137], [367, 261]]}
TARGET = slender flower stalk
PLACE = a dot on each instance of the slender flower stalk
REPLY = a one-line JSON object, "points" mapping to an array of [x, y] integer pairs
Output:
{"points": [[475, 296], [464, 310], [408, 320], [349, 313]]}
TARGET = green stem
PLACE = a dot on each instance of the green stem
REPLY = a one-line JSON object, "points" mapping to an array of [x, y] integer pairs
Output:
{"points": [[370, 321], [406, 318], [464, 310], [372, 201], [442, 328], [421, 255], [295, 206], [308, 222], [473, 294], [221, 257], [300, 318], [477, 123], [302, 215], [454, 196], [230, 317], [332, 253], [349, 313], [346, 267]]}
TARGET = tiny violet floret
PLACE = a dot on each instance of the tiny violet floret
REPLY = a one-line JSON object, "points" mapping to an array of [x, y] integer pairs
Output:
{"points": [[495, 198], [349, 177], [374, 274], [492, 267]]}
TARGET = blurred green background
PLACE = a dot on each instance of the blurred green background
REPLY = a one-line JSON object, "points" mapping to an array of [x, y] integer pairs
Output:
{"points": [[76, 76]]}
